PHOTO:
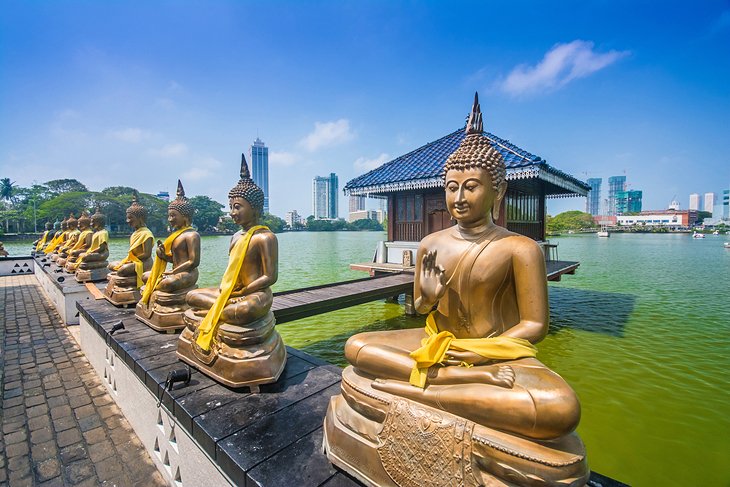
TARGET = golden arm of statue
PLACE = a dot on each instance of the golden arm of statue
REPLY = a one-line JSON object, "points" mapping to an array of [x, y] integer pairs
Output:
{"points": [[192, 243], [144, 251], [268, 248], [429, 281], [160, 252]]}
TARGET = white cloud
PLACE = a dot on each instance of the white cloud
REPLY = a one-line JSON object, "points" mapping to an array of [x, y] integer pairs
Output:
{"points": [[165, 103], [203, 168], [283, 158], [327, 134], [131, 134], [560, 65], [364, 164], [170, 150]]}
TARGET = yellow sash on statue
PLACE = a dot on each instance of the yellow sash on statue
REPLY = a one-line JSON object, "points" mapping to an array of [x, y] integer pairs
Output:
{"points": [[99, 238], [209, 326], [42, 241], [137, 239], [434, 347], [159, 266], [68, 244], [81, 239], [56, 242]]}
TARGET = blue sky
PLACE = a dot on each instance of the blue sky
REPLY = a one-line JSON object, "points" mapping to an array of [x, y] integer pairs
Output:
{"points": [[141, 93]]}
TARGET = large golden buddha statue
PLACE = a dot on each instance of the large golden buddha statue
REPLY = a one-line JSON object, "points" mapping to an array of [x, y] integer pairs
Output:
{"points": [[230, 332], [463, 401], [163, 298], [72, 237], [58, 238], [83, 243], [92, 264], [125, 277]]}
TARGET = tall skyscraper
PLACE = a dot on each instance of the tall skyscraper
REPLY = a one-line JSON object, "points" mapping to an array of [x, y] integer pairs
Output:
{"points": [[324, 197], [726, 204], [694, 201], [616, 184], [593, 201], [628, 202], [260, 168], [710, 200], [357, 202]]}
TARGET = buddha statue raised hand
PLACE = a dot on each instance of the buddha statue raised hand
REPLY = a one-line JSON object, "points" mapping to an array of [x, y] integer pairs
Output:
{"points": [[83, 243], [230, 332], [463, 401], [163, 298], [92, 264], [125, 278]]}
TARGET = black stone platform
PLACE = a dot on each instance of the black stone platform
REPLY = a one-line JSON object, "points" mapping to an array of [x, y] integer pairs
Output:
{"points": [[267, 439], [61, 287]]}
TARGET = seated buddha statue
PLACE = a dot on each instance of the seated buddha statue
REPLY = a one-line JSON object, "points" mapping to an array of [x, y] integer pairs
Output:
{"points": [[45, 238], [92, 264], [72, 237], [463, 401], [125, 278], [58, 237], [163, 298], [83, 243], [3, 252], [229, 333]]}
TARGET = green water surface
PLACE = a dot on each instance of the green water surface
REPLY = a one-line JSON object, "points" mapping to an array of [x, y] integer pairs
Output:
{"points": [[641, 332]]}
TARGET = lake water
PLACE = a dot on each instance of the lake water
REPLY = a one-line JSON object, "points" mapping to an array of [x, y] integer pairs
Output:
{"points": [[641, 332]]}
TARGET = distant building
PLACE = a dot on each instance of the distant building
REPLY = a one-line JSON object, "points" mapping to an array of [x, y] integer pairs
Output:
{"points": [[292, 218], [164, 196], [710, 201], [660, 218], [260, 168], [694, 201], [726, 204], [357, 202], [324, 197], [674, 205], [628, 202], [593, 201], [364, 215], [616, 184]]}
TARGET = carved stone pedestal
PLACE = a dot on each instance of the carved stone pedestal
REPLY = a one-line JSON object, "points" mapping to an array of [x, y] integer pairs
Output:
{"points": [[385, 440], [92, 275], [241, 356], [164, 312], [122, 291]]}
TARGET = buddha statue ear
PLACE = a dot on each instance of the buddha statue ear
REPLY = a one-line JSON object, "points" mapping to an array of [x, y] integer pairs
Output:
{"points": [[501, 190]]}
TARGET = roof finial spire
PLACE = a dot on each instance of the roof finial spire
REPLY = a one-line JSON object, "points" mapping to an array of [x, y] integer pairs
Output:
{"points": [[245, 174], [474, 125], [180, 189]]}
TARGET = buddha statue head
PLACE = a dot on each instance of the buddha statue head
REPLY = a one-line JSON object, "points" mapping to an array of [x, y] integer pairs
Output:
{"points": [[136, 213], [98, 220], [475, 175], [64, 225], [84, 221], [71, 222], [49, 226], [57, 225], [246, 199], [180, 211]]}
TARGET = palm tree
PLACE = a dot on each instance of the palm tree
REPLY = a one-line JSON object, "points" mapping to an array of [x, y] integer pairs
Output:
{"points": [[7, 190]]}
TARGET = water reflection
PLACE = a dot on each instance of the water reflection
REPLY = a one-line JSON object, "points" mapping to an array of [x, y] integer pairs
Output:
{"points": [[595, 311]]}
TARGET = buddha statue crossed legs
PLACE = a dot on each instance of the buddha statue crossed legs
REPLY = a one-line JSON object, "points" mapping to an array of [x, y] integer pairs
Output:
{"points": [[230, 332], [92, 264], [465, 401], [163, 299], [125, 278]]}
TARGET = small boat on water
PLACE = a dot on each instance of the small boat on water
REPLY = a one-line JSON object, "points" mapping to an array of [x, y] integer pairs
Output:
{"points": [[716, 232], [698, 235], [603, 232], [727, 245]]}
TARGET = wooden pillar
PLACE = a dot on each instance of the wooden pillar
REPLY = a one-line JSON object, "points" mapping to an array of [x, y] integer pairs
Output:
{"points": [[391, 217]]}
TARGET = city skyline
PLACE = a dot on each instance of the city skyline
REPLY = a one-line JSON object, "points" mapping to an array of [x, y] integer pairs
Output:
{"points": [[158, 91]]}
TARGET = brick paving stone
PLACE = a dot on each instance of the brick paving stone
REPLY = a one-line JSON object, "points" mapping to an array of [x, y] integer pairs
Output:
{"points": [[60, 427]]}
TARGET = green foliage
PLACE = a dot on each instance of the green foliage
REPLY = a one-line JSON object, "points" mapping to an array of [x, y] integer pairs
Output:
{"points": [[366, 224], [59, 186], [570, 220], [274, 223], [701, 215], [118, 191], [340, 224], [207, 213], [64, 204]]}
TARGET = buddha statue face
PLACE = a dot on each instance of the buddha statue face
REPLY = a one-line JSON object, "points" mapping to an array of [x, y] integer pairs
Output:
{"points": [[471, 196], [242, 213], [134, 221], [177, 220]]}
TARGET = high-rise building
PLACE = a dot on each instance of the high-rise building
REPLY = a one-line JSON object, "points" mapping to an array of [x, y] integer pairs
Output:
{"points": [[357, 202], [292, 218], [260, 168], [324, 197], [593, 201], [616, 184], [710, 200], [628, 202], [694, 201], [726, 204]]}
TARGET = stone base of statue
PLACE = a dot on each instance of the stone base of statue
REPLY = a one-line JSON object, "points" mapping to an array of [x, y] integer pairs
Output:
{"points": [[241, 356], [122, 291], [61, 260], [71, 265], [164, 312], [92, 275], [386, 440]]}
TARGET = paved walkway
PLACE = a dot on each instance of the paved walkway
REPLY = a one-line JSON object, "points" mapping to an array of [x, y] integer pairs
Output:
{"points": [[59, 425]]}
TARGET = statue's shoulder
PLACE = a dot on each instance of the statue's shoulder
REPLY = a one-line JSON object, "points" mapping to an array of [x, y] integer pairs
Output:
{"points": [[520, 245]]}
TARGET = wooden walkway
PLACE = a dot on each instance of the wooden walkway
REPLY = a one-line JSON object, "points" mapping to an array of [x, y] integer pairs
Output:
{"points": [[311, 301]]}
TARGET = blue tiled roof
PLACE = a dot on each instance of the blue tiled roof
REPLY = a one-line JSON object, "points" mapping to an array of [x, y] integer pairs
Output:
{"points": [[427, 162]]}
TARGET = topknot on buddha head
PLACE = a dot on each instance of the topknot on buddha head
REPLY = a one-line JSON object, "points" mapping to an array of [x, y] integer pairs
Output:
{"points": [[181, 203], [477, 151], [98, 218], [247, 189], [84, 219], [135, 209], [71, 221]]}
